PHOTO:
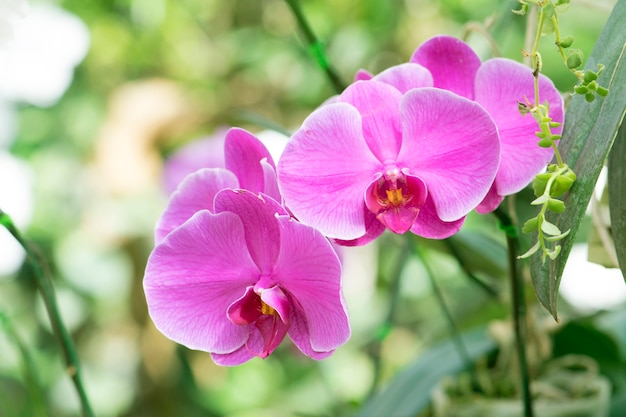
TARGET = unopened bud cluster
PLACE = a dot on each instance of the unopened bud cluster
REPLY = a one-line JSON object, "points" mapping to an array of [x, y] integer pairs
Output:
{"points": [[547, 186]]}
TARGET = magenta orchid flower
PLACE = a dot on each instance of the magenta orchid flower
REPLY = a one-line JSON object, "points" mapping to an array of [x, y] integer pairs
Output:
{"points": [[498, 85], [207, 152], [235, 280], [377, 158], [247, 165]]}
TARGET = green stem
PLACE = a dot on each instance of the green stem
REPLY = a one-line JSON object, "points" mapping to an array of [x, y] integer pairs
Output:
{"points": [[454, 331], [315, 45], [44, 283], [518, 306], [38, 403]]}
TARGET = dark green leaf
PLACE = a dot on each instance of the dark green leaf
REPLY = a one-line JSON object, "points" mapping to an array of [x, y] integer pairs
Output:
{"points": [[409, 392], [617, 196], [589, 132]]}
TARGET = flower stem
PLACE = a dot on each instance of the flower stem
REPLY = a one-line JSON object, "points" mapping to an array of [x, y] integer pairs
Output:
{"points": [[38, 404], [518, 306], [44, 283], [315, 45]]}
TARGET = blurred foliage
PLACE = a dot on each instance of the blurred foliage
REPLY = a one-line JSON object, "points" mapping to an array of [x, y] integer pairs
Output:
{"points": [[161, 73]]}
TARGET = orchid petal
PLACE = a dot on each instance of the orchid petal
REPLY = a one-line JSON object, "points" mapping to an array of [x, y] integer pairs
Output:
{"points": [[270, 182], [452, 63], [452, 144], [194, 275], [195, 193], [491, 201], [201, 153], [246, 309], [244, 153], [275, 298], [299, 334], [363, 75], [325, 169], [309, 270], [429, 225], [257, 215], [234, 358], [272, 331], [500, 85], [373, 227], [406, 76], [378, 105]]}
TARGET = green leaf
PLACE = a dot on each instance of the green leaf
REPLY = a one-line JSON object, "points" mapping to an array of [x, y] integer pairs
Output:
{"points": [[409, 392], [617, 196], [530, 251], [549, 228], [589, 132]]}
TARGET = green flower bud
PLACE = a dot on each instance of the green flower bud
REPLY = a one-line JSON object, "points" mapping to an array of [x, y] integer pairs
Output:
{"points": [[556, 206], [545, 143], [590, 97], [574, 58], [562, 184], [540, 182], [548, 25], [602, 92], [581, 89], [530, 225], [590, 76], [566, 42], [522, 108], [549, 228], [523, 10], [592, 85]]}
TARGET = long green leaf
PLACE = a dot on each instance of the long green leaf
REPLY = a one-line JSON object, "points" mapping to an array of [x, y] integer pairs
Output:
{"points": [[589, 132], [617, 196], [409, 392]]}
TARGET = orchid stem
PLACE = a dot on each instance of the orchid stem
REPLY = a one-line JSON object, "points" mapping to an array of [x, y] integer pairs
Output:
{"points": [[38, 405], [316, 47], [44, 283], [518, 305]]}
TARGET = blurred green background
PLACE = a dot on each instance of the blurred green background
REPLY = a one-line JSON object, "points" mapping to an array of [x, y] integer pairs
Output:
{"points": [[159, 74]]}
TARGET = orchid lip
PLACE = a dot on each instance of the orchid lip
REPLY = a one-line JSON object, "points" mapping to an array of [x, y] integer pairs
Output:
{"points": [[395, 198], [267, 310]]}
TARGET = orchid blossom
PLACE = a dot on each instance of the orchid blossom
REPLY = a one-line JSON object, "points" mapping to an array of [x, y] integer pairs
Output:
{"points": [[376, 158], [247, 164], [500, 86], [235, 280]]}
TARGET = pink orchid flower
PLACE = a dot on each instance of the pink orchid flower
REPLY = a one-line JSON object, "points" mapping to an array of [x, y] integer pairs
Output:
{"points": [[235, 280], [207, 152], [498, 85], [247, 165], [377, 158]]}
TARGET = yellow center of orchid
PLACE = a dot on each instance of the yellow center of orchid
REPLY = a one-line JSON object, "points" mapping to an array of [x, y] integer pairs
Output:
{"points": [[394, 196], [267, 309]]}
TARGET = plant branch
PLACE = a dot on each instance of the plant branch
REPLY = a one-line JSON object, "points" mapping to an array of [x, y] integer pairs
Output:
{"points": [[38, 403], [44, 283], [518, 306], [316, 47]]}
